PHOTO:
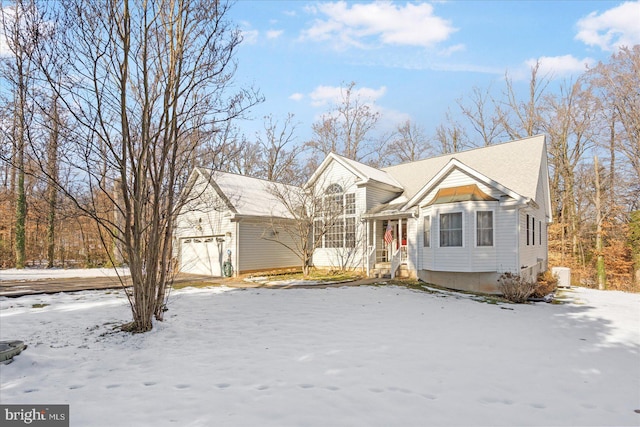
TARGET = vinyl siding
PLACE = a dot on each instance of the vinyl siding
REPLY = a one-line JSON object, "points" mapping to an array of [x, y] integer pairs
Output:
{"points": [[470, 257], [205, 216], [336, 258], [506, 234], [534, 252], [376, 196], [257, 253]]}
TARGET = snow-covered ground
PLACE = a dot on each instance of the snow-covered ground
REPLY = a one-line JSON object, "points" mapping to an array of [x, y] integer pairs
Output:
{"points": [[58, 273], [350, 356]]}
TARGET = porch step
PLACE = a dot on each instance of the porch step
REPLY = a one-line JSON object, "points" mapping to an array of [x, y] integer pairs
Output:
{"points": [[383, 270]]}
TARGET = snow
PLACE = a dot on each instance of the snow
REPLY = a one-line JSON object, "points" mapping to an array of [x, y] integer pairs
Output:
{"points": [[59, 273], [346, 356]]}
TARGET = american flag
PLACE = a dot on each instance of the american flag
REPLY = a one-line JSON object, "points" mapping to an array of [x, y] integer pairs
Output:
{"points": [[388, 235]]}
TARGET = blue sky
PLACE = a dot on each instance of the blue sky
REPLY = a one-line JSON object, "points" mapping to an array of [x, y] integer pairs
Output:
{"points": [[412, 60]]}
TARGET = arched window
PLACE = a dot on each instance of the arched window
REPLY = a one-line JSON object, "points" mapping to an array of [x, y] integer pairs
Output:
{"points": [[334, 189], [339, 211]]}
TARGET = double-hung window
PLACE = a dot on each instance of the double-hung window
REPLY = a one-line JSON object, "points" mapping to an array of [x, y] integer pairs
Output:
{"points": [[484, 228], [426, 233], [451, 229]]}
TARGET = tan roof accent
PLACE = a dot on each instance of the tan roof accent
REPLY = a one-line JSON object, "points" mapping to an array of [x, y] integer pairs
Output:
{"points": [[463, 193]]}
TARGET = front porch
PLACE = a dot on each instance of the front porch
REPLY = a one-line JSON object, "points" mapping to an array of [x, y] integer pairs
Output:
{"points": [[387, 247]]}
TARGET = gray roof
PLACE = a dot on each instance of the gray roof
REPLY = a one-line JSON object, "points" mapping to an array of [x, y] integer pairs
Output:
{"points": [[371, 173], [516, 165], [250, 196]]}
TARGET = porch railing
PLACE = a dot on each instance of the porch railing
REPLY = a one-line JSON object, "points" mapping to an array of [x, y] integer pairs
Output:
{"points": [[382, 255], [371, 259], [399, 257]]}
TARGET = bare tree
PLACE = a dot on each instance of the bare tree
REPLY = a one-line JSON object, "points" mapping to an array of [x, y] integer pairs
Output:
{"points": [[570, 120], [346, 129], [308, 215], [451, 135], [20, 27], [617, 83], [280, 155], [407, 144], [600, 266], [521, 118], [486, 124], [147, 83]]}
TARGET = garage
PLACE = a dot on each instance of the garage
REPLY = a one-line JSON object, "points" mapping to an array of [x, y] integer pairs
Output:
{"points": [[201, 255]]}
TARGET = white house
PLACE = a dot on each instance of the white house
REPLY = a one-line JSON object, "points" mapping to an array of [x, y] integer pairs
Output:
{"points": [[457, 220]]}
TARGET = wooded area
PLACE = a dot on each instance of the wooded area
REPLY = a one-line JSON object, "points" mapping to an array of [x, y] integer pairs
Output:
{"points": [[80, 157]]}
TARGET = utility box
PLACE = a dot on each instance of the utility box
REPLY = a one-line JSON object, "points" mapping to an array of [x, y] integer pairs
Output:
{"points": [[564, 276]]}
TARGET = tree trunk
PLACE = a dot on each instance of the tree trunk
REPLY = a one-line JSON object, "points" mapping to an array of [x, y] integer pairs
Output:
{"points": [[600, 268], [21, 199], [52, 166]]}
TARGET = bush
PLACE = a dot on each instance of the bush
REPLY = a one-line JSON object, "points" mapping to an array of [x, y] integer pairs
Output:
{"points": [[516, 288], [547, 283]]}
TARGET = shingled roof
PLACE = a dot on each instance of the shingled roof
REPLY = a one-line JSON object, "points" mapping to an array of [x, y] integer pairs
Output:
{"points": [[515, 165]]}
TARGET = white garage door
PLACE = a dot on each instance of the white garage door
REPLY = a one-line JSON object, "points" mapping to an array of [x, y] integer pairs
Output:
{"points": [[201, 255]]}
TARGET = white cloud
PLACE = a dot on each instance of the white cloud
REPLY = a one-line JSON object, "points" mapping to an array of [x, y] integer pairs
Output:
{"points": [[447, 51], [249, 35], [558, 66], [323, 95], [616, 27], [367, 25], [296, 96], [274, 34]]}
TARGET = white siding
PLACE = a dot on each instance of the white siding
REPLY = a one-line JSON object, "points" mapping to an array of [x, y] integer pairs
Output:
{"points": [[376, 196], [338, 258], [414, 243], [205, 216], [506, 234], [257, 253]]}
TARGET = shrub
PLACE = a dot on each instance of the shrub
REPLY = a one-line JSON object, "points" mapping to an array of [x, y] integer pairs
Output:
{"points": [[516, 288], [547, 283]]}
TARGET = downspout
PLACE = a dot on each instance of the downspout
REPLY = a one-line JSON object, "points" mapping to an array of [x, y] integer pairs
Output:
{"points": [[366, 246], [236, 245], [517, 270]]}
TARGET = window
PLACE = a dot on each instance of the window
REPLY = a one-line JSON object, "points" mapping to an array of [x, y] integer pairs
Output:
{"points": [[484, 228], [451, 229], [527, 229], [335, 235], [533, 231], [350, 232], [339, 209], [426, 233], [540, 232], [350, 204]]}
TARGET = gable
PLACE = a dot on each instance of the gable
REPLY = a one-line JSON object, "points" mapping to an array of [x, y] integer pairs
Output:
{"points": [[362, 174], [456, 174], [515, 166]]}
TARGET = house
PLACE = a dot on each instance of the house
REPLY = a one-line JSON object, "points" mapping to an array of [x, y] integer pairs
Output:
{"points": [[228, 217], [458, 220]]}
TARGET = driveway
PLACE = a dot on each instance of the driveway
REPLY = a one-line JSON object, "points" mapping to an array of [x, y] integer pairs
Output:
{"points": [[16, 288]]}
